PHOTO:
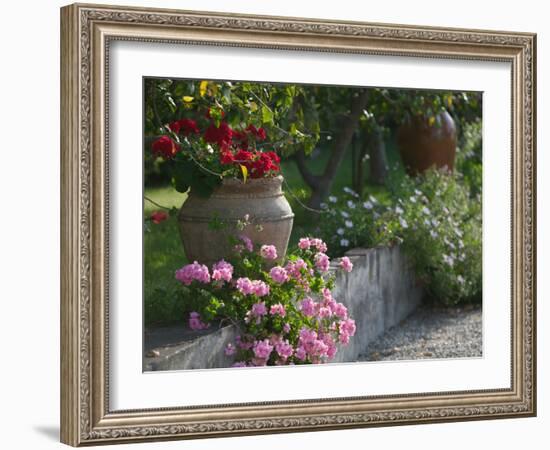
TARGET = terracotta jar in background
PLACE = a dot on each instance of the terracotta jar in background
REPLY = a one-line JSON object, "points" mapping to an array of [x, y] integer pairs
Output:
{"points": [[422, 145], [262, 199]]}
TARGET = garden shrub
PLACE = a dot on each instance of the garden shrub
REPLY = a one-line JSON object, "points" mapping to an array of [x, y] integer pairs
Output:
{"points": [[347, 222], [440, 227], [436, 219]]}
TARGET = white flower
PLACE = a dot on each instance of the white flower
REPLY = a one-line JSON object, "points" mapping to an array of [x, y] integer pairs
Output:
{"points": [[209, 149], [449, 260], [412, 199], [345, 215], [351, 192], [323, 206], [426, 211], [417, 192], [351, 205], [340, 231], [349, 223], [403, 222], [367, 205], [458, 232], [433, 234], [344, 243], [460, 279], [373, 200], [461, 244], [435, 222], [332, 199], [399, 210], [427, 222], [329, 138]]}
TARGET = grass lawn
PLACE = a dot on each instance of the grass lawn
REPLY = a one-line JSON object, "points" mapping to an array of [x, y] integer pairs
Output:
{"points": [[163, 251]]}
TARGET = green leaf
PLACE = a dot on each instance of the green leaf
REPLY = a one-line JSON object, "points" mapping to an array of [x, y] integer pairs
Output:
{"points": [[267, 115]]}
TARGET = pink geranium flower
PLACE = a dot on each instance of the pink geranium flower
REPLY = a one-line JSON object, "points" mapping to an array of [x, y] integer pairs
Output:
{"points": [[284, 349], [279, 274], [190, 272], [277, 309], [268, 252], [308, 307], [322, 262], [346, 264], [245, 286], [230, 349], [259, 309], [195, 322], [318, 244], [247, 242], [340, 310], [304, 243], [222, 270], [261, 289], [262, 349]]}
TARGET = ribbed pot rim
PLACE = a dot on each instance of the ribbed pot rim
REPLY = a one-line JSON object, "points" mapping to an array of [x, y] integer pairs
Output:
{"points": [[255, 187], [270, 181]]}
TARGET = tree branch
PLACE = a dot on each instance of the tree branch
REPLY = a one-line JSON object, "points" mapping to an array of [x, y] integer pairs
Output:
{"points": [[311, 180]]}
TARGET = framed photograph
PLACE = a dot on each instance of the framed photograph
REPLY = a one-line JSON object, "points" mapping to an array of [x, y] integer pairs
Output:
{"points": [[281, 224]]}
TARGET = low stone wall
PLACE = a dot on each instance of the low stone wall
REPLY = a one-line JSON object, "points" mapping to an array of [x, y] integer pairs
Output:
{"points": [[379, 293], [178, 348]]}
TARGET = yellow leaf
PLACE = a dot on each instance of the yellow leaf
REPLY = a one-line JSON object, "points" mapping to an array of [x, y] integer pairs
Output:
{"points": [[431, 120], [202, 88], [187, 98], [244, 170]]}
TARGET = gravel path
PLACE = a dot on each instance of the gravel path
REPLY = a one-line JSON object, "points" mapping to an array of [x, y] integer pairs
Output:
{"points": [[431, 332]]}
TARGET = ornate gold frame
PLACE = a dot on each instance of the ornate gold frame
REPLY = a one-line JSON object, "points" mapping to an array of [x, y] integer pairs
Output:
{"points": [[86, 31]]}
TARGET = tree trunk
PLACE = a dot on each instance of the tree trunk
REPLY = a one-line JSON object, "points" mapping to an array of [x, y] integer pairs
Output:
{"points": [[378, 160], [341, 143], [355, 143]]}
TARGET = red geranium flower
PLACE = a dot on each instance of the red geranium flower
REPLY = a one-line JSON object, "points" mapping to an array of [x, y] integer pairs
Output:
{"points": [[158, 217], [226, 157], [175, 126], [240, 138], [185, 126], [264, 163], [243, 157], [188, 126], [275, 160], [165, 147], [258, 133], [219, 135]]}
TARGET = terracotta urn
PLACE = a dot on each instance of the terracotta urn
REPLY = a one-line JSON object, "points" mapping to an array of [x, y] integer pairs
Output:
{"points": [[206, 224], [422, 145]]}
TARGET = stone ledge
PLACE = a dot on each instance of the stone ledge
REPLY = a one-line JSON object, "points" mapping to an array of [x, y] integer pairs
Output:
{"points": [[380, 292], [179, 348]]}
